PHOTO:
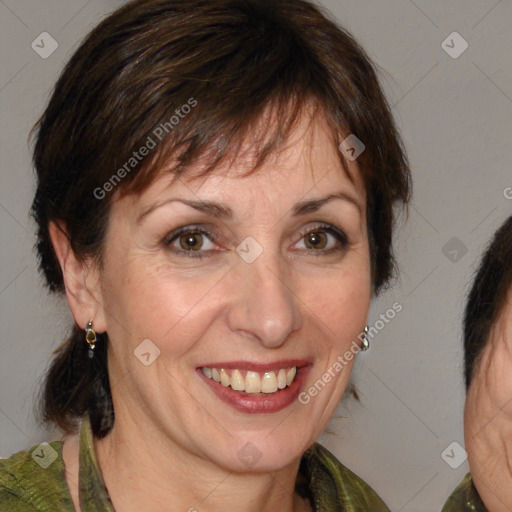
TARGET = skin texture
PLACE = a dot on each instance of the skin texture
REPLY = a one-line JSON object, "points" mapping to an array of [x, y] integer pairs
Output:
{"points": [[488, 417], [174, 444]]}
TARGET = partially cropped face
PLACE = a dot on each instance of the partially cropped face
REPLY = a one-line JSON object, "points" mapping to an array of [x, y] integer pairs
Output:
{"points": [[260, 282], [488, 417]]}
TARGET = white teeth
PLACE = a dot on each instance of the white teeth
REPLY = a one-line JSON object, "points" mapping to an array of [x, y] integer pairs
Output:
{"points": [[224, 378], [281, 379], [269, 383], [237, 381], [254, 382], [290, 375]]}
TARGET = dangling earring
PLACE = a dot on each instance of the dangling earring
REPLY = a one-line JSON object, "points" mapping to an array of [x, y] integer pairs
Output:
{"points": [[90, 337], [366, 341]]}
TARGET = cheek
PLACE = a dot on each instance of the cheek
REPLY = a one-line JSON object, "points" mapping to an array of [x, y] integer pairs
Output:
{"points": [[341, 300], [499, 378], [146, 300], [488, 397]]}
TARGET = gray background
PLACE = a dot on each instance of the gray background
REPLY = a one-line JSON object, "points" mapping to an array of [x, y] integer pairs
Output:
{"points": [[455, 116]]}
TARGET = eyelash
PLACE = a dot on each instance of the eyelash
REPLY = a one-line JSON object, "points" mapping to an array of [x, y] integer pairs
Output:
{"points": [[340, 236]]}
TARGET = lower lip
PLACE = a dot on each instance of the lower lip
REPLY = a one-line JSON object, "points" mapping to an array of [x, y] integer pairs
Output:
{"points": [[259, 404]]}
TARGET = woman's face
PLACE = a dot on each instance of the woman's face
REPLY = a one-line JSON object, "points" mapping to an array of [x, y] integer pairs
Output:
{"points": [[271, 275], [488, 416]]}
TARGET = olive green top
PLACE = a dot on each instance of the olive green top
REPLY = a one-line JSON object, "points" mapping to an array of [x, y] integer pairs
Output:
{"points": [[34, 480], [465, 498]]}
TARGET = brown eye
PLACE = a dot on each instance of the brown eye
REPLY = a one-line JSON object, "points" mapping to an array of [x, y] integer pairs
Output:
{"points": [[323, 240], [191, 241], [316, 240]]}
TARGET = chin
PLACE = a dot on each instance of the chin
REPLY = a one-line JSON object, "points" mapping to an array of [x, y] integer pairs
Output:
{"points": [[262, 452]]}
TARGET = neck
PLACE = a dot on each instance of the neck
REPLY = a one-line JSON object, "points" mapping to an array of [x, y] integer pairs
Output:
{"points": [[144, 470]]}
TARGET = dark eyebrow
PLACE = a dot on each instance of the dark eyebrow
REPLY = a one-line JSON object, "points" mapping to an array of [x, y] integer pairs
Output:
{"points": [[313, 205], [209, 207], [225, 212]]}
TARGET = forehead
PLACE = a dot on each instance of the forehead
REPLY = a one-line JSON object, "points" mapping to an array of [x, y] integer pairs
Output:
{"points": [[498, 338], [308, 163]]}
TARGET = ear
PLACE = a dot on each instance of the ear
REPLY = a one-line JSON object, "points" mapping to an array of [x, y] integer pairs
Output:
{"points": [[81, 280]]}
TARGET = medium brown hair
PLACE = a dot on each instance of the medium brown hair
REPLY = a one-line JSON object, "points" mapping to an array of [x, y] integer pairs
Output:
{"points": [[234, 59], [487, 298]]}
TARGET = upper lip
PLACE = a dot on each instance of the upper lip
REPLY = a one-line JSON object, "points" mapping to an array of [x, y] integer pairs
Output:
{"points": [[257, 367]]}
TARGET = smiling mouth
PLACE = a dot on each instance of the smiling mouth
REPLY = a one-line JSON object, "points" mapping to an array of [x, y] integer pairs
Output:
{"points": [[252, 383]]}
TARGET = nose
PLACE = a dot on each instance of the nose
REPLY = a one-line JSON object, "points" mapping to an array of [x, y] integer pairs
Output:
{"points": [[264, 305]]}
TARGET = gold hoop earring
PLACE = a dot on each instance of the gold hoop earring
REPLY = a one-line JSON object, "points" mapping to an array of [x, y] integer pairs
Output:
{"points": [[90, 338]]}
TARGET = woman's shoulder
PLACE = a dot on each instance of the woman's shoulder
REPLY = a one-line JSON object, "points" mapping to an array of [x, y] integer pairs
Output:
{"points": [[332, 486], [34, 480], [464, 498]]}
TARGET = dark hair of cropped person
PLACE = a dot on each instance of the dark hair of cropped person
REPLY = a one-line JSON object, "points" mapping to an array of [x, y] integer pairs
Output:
{"points": [[487, 297], [237, 60]]}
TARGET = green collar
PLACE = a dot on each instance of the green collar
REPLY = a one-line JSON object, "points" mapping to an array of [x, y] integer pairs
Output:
{"points": [[93, 492], [465, 498]]}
